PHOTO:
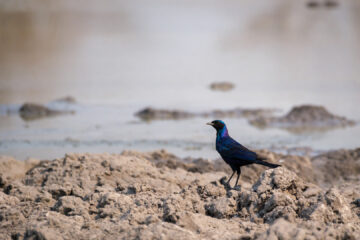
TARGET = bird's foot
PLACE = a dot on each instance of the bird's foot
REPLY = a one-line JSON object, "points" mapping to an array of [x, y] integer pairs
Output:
{"points": [[237, 187], [227, 185], [222, 181]]}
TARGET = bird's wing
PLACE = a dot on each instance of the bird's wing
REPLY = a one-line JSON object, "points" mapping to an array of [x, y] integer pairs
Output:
{"points": [[234, 150]]}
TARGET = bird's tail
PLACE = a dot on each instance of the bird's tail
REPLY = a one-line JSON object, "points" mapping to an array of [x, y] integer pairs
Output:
{"points": [[272, 165]]}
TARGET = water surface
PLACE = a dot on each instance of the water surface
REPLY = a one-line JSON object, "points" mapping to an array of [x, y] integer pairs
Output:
{"points": [[116, 57]]}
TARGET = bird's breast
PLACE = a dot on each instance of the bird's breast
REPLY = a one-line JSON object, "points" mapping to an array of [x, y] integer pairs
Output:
{"points": [[218, 145], [221, 147]]}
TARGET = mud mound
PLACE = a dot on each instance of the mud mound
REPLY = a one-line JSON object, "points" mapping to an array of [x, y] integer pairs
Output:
{"points": [[135, 196], [158, 114], [222, 86], [66, 99], [298, 164], [149, 113], [281, 193], [305, 117], [11, 169], [162, 158], [239, 112], [32, 111], [335, 166]]}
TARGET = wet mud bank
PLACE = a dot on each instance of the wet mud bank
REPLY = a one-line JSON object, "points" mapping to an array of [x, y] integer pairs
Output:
{"points": [[158, 195]]}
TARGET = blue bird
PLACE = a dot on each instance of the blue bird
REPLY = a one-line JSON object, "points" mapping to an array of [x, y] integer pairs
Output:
{"points": [[233, 153]]}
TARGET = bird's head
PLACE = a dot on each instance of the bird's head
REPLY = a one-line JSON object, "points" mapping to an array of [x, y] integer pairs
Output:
{"points": [[217, 124]]}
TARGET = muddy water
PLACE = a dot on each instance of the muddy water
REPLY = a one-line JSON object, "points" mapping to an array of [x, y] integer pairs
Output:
{"points": [[120, 56]]}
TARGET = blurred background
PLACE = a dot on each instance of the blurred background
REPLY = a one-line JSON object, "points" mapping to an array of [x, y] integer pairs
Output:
{"points": [[116, 57]]}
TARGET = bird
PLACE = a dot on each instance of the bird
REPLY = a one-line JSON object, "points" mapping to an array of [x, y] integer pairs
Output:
{"points": [[233, 153]]}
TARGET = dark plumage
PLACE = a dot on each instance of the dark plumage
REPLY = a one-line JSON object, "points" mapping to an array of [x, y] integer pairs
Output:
{"points": [[233, 153]]}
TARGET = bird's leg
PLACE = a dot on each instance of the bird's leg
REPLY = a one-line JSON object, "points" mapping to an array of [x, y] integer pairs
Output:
{"points": [[238, 175], [228, 182]]}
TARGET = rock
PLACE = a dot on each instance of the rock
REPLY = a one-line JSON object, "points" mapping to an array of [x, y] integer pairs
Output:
{"points": [[32, 111], [222, 86], [304, 118]]}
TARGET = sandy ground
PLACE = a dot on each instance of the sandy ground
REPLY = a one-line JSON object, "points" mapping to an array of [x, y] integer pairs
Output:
{"points": [[159, 196]]}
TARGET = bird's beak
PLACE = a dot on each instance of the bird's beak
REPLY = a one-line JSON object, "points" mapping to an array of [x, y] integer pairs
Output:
{"points": [[210, 123]]}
